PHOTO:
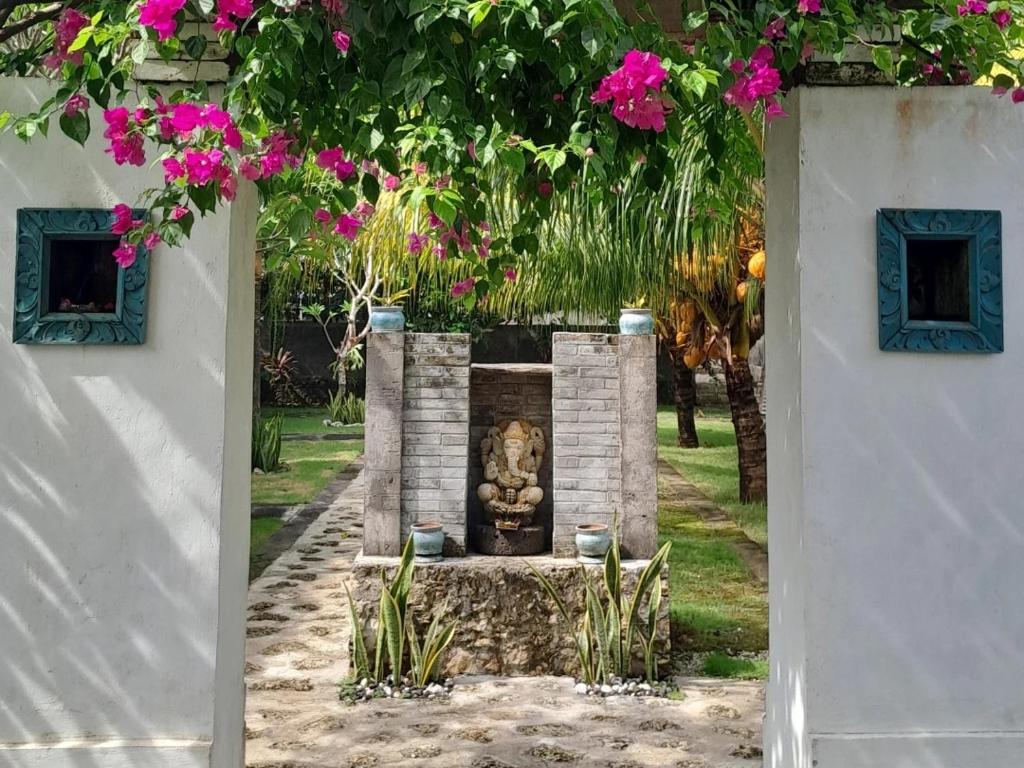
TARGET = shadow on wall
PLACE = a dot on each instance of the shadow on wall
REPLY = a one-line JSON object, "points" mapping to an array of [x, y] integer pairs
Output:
{"points": [[110, 510]]}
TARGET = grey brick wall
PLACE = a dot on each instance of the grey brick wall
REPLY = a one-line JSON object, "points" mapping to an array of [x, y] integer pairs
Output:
{"points": [[435, 433], [586, 436], [513, 392]]}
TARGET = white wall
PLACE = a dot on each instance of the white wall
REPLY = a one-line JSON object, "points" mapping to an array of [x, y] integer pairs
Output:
{"points": [[124, 493], [896, 520]]}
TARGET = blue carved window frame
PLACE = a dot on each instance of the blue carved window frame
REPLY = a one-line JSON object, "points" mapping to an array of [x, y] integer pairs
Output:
{"points": [[33, 322], [982, 231]]}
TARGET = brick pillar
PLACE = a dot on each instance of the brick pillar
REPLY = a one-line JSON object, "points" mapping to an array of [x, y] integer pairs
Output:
{"points": [[435, 428], [382, 511], [638, 427], [585, 440]]}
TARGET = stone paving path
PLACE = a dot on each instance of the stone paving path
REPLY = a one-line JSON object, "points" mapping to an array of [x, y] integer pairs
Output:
{"points": [[296, 654]]}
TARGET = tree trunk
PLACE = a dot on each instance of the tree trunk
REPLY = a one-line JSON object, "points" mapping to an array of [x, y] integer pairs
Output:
{"points": [[342, 374], [684, 391], [750, 435]]}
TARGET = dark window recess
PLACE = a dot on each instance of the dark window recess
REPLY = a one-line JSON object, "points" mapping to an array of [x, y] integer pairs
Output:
{"points": [[938, 280], [82, 276]]}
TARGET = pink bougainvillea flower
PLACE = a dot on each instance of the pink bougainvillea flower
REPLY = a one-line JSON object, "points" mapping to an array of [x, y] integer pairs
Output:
{"points": [[370, 167], [558, 98], [125, 254], [342, 41], [333, 159], [249, 169], [201, 166], [123, 221], [151, 241], [1017, 96], [179, 213], [336, 7], [762, 81], [159, 15], [417, 242], [435, 221], [510, 275], [442, 183], [391, 183], [776, 29], [76, 104], [544, 189], [1002, 18], [440, 251], [808, 6], [972, 7], [471, 150], [173, 169], [70, 23], [998, 90], [634, 89], [322, 215], [365, 210], [463, 287], [806, 52], [773, 110], [227, 183], [126, 145], [224, 23], [347, 226], [420, 168]]}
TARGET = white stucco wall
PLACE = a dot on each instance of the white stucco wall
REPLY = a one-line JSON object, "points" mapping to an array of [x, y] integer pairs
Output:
{"points": [[896, 521], [124, 493]]}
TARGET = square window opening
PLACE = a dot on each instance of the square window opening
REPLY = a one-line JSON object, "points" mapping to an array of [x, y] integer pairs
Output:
{"points": [[82, 275], [938, 280]]}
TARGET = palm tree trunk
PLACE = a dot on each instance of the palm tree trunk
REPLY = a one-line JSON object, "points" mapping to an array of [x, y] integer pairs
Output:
{"points": [[684, 391], [750, 436]]}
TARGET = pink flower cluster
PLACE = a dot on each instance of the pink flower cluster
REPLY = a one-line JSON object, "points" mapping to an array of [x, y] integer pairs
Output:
{"points": [[808, 6], [333, 159], [183, 119], [635, 92], [972, 7], [159, 15], [123, 221], [463, 287], [229, 12], [462, 237], [756, 80], [1003, 18], [70, 23], [276, 152], [76, 104], [125, 137]]}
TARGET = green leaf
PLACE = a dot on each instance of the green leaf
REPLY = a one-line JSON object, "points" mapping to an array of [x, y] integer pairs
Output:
{"points": [[206, 6], [195, 46], [76, 127], [592, 39], [881, 55], [298, 224], [371, 188], [444, 210], [412, 60], [695, 82], [417, 89]]}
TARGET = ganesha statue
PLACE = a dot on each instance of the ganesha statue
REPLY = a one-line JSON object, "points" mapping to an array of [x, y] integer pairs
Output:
{"points": [[511, 455]]}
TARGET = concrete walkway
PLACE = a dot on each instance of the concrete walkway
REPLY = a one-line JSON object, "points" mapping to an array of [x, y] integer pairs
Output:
{"points": [[297, 652]]}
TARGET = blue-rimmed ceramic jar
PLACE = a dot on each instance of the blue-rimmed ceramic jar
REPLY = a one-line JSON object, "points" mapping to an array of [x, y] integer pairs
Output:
{"points": [[428, 541], [384, 319], [636, 322], [592, 542]]}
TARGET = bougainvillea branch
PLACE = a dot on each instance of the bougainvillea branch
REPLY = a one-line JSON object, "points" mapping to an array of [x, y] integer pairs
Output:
{"points": [[431, 99]]}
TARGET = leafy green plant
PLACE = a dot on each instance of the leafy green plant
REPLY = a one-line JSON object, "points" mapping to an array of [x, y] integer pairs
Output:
{"points": [[613, 623], [398, 646], [348, 409], [266, 444]]}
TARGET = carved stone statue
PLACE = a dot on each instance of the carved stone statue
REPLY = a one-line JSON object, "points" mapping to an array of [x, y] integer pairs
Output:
{"points": [[511, 455]]}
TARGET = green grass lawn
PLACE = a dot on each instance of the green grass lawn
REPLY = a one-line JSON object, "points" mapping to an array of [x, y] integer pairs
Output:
{"points": [[260, 531], [712, 467], [308, 421], [717, 606], [310, 466]]}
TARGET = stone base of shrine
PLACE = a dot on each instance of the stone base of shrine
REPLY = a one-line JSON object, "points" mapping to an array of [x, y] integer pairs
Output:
{"points": [[507, 625]]}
